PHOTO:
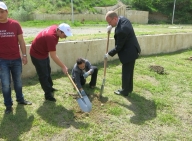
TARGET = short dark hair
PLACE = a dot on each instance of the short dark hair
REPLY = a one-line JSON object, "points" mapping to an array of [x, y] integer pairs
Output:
{"points": [[80, 61]]}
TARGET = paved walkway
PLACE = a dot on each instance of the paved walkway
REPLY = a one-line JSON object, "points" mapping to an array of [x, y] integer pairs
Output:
{"points": [[32, 32]]}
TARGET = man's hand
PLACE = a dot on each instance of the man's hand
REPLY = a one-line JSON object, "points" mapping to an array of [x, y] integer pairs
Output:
{"points": [[65, 70], [109, 27], [86, 74], [24, 60], [106, 56], [83, 93]]}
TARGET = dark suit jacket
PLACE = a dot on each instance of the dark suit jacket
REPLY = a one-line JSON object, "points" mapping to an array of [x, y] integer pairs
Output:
{"points": [[126, 44]]}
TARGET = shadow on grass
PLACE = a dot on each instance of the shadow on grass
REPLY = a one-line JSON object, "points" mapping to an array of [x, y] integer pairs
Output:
{"points": [[143, 108], [13, 125], [57, 115]]}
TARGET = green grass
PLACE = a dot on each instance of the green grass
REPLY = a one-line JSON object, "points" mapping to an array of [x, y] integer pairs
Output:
{"points": [[158, 109], [45, 23]]}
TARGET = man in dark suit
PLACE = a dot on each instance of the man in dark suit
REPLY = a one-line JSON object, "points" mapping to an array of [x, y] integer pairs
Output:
{"points": [[127, 48]]}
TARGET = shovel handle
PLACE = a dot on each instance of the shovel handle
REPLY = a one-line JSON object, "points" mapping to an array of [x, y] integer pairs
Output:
{"points": [[105, 61], [74, 84], [107, 42], [105, 66]]}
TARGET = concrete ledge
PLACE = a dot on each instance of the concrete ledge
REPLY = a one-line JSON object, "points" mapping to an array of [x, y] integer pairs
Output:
{"points": [[140, 17], [164, 43], [94, 50]]}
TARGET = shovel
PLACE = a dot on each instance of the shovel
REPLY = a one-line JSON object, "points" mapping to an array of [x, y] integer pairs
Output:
{"points": [[105, 66], [83, 101]]}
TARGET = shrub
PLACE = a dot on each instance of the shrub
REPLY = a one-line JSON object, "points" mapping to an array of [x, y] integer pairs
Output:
{"points": [[21, 15]]}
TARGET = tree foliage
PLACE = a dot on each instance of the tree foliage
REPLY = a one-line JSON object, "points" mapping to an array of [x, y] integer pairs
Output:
{"points": [[183, 8], [23, 8]]}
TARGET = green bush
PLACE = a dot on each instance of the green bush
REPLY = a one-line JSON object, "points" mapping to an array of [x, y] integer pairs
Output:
{"points": [[21, 15]]}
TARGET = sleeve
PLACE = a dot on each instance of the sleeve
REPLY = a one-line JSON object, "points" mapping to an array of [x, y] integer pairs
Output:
{"points": [[120, 40], [19, 29], [76, 74], [89, 66]]}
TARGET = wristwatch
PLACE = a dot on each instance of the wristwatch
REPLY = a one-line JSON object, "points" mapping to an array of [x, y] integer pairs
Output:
{"points": [[24, 55]]}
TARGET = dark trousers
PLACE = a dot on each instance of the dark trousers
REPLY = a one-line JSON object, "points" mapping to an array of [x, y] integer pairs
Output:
{"points": [[93, 77], [127, 76], [43, 69]]}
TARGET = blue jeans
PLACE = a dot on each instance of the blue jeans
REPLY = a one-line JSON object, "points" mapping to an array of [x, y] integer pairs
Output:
{"points": [[8, 69]]}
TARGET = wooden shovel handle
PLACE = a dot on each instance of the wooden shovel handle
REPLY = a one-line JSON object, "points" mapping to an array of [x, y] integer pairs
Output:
{"points": [[105, 61], [74, 84], [107, 42]]}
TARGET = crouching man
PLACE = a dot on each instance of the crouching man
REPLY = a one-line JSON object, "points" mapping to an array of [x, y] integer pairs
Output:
{"points": [[81, 70]]}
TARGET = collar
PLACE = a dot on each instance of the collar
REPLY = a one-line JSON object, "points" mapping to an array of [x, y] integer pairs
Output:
{"points": [[117, 22]]}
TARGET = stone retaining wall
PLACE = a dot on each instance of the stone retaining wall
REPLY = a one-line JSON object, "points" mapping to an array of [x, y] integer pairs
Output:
{"points": [[94, 50]]}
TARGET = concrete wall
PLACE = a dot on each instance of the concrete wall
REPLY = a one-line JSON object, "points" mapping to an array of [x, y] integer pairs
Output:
{"points": [[135, 16], [103, 10], [76, 17], [140, 17], [154, 44], [94, 50]]}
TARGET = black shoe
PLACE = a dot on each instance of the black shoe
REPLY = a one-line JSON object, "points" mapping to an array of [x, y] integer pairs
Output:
{"points": [[8, 110], [50, 98], [53, 90], [24, 102], [120, 92]]}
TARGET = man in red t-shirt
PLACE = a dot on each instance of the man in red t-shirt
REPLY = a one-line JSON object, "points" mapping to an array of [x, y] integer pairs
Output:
{"points": [[11, 40], [43, 46]]}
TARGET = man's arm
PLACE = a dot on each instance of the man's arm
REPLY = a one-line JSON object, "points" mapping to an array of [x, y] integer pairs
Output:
{"points": [[120, 39], [58, 61], [76, 75], [88, 65], [22, 48]]}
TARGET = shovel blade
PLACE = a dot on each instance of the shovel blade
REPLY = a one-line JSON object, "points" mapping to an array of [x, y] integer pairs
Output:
{"points": [[102, 88], [101, 91], [84, 104]]}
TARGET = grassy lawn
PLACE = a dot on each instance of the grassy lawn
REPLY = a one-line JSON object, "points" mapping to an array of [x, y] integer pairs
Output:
{"points": [[158, 109]]}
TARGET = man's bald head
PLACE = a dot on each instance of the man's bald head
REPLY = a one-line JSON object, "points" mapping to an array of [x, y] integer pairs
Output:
{"points": [[111, 14]]}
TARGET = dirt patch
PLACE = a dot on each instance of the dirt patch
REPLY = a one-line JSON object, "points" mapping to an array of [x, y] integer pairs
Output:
{"points": [[98, 104], [190, 58], [157, 68]]}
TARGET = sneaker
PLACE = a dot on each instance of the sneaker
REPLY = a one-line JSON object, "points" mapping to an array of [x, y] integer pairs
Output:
{"points": [[8, 110], [25, 102]]}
